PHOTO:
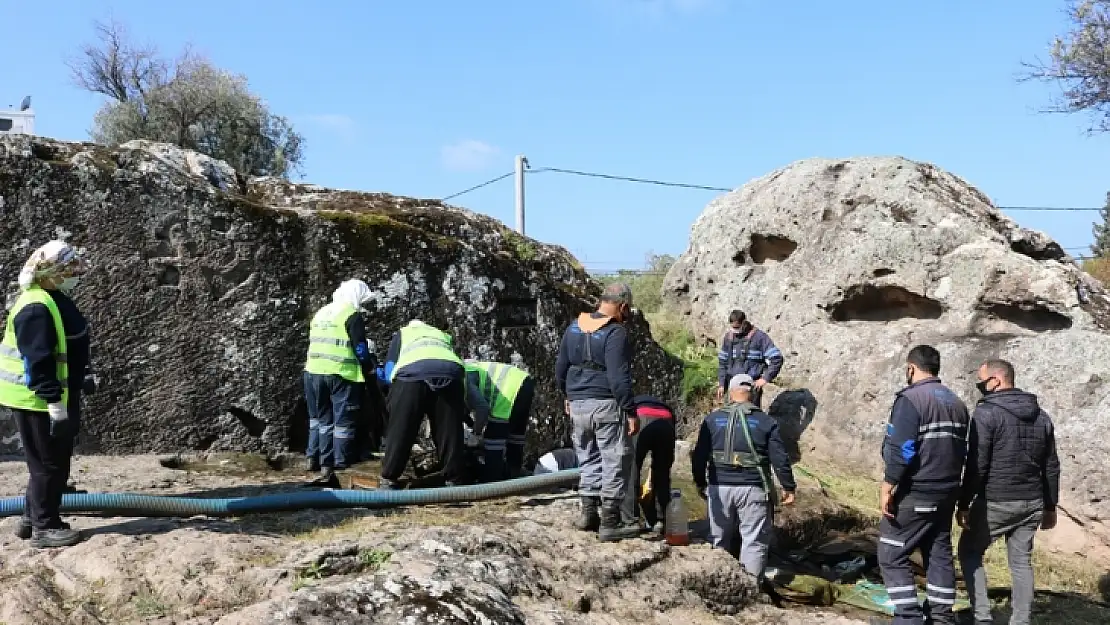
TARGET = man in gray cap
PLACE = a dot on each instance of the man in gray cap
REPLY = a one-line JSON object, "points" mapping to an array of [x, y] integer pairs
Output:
{"points": [[732, 460], [593, 371]]}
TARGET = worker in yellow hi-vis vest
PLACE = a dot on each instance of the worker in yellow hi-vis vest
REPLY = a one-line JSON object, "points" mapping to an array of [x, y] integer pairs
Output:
{"points": [[426, 380], [43, 358], [338, 365], [508, 391]]}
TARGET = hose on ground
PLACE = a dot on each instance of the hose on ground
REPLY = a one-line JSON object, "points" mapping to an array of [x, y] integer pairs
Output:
{"points": [[126, 504]]}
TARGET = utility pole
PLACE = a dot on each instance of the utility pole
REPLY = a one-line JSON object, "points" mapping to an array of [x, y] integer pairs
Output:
{"points": [[521, 163]]}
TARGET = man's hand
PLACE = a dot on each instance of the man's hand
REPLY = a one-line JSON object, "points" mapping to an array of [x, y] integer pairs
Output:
{"points": [[88, 385], [759, 383], [703, 492], [633, 425], [720, 392], [566, 407], [962, 519], [886, 501], [787, 497], [1048, 521]]}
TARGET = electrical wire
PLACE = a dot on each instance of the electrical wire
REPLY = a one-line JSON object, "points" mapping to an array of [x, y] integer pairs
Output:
{"points": [[477, 186]]}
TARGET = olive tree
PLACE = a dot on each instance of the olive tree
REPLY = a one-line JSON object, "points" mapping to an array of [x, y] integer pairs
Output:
{"points": [[188, 102], [1079, 61]]}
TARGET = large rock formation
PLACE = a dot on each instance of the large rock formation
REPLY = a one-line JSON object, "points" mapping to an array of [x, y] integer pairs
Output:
{"points": [[203, 284], [849, 263]]}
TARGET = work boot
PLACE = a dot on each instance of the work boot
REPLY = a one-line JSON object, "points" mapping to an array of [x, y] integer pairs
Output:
{"points": [[23, 530], [326, 479], [60, 537], [386, 484], [588, 520], [311, 465], [612, 527]]}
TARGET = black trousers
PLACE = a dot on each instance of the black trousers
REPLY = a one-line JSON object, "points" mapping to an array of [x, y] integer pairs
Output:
{"points": [[48, 461], [920, 522], [409, 404], [657, 437]]}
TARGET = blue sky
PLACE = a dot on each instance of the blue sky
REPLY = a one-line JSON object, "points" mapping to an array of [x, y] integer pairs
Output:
{"points": [[426, 98]]}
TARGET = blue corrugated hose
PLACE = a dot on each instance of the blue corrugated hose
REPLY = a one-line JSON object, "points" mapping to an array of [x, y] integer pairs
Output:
{"points": [[125, 504]]}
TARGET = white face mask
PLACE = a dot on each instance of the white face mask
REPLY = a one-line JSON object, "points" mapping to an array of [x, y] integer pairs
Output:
{"points": [[68, 284]]}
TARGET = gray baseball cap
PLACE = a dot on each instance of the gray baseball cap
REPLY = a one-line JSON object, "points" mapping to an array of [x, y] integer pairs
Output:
{"points": [[740, 380]]}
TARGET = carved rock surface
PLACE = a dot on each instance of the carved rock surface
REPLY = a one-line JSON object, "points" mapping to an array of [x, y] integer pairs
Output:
{"points": [[849, 263], [203, 284]]}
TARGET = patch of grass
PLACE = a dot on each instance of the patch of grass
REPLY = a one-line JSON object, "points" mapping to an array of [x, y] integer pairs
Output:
{"points": [[147, 603], [373, 559], [523, 248], [699, 372]]}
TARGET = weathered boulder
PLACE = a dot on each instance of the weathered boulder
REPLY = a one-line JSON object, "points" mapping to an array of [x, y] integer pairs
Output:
{"points": [[203, 283], [849, 263]]}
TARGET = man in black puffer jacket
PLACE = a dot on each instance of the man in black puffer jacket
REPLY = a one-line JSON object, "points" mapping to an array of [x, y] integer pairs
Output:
{"points": [[1011, 486]]}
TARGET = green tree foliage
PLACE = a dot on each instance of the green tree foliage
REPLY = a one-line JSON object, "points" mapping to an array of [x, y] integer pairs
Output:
{"points": [[1101, 231], [187, 102], [1079, 61], [647, 283]]}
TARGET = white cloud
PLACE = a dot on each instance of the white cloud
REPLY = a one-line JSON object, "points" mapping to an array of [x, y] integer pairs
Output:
{"points": [[468, 155], [333, 122]]}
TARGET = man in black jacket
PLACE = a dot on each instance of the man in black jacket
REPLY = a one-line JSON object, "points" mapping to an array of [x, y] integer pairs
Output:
{"points": [[1011, 486], [731, 462], [594, 371], [924, 452]]}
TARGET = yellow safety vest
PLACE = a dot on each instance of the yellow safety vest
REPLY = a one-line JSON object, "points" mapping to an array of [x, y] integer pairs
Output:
{"points": [[499, 383], [329, 346], [423, 342], [14, 377]]}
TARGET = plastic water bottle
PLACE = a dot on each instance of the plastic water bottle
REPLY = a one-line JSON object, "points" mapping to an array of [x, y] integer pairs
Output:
{"points": [[678, 520]]}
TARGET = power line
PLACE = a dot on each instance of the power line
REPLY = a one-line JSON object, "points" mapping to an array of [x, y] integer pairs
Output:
{"points": [[477, 186], [661, 183], [1049, 208]]}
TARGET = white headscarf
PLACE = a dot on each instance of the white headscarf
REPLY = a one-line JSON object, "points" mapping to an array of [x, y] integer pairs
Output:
{"points": [[353, 292], [54, 265]]}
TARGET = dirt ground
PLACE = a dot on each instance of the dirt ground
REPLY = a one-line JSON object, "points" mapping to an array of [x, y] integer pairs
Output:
{"points": [[517, 559]]}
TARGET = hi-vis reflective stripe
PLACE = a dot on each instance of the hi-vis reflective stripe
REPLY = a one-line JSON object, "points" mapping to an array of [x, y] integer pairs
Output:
{"points": [[942, 596], [11, 352], [333, 358], [13, 378], [898, 590], [336, 342], [891, 541], [941, 424], [944, 435], [419, 343], [924, 508], [21, 379]]}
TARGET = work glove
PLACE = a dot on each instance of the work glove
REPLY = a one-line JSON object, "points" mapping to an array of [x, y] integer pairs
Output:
{"points": [[59, 419], [89, 385]]}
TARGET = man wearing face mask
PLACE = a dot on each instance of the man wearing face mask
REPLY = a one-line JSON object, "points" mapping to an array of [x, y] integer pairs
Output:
{"points": [[43, 358], [1010, 488], [924, 452], [747, 350], [593, 371]]}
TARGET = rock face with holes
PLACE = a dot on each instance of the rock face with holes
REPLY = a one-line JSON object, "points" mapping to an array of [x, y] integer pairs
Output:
{"points": [[848, 264], [203, 284]]}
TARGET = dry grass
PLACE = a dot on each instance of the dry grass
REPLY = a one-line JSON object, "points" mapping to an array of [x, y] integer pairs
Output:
{"points": [[1068, 587]]}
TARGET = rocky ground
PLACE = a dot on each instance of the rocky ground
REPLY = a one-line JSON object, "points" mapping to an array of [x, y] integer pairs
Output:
{"points": [[511, 561]]}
